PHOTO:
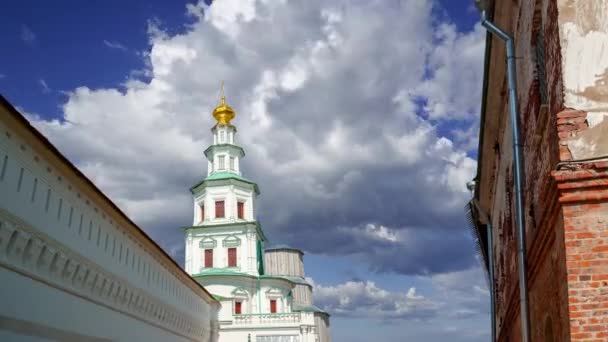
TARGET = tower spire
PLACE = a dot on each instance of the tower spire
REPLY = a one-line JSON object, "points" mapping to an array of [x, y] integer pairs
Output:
{"points": [[223, 97], [223, 113]]}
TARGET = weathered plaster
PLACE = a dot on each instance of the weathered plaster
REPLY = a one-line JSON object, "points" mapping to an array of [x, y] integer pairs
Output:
{"points": [[583, 27], [591, 143]]}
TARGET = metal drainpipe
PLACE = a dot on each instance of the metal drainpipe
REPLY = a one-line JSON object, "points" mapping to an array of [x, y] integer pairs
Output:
{"points": [[519, 175], [492, 282], [490, 240]]}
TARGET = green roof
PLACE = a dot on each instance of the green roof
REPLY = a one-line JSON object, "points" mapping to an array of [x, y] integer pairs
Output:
{"points": [[218, 176], [221, 272], [226, 175], [307, 308], [297, 280], [257, 224], [231, 272]]}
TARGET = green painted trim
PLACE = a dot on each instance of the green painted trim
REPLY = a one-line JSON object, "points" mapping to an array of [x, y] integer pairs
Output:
{"points": [[231, 241], [216, 178], [222, 272], [229, 146], [205, 244], [260, 257], [306, 308], [218, 125], [257, 224], [298, 280]]}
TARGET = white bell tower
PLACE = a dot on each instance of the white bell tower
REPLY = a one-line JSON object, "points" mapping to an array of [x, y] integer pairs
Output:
{"points": [[225, 233]]}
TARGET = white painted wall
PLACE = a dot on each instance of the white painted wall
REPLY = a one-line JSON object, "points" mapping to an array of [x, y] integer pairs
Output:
{"points": [[246, 251], [92, 260], [230, 194]]}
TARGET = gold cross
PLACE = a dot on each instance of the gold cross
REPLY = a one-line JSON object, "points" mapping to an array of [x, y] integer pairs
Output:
{"points": [[222, 92]]}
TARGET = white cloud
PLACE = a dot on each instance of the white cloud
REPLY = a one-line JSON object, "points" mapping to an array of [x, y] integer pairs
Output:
{"points": [[114, 45], [366, 299], [452, 89], [326, 98], [44, 86], [27, 35], [466, 292]]}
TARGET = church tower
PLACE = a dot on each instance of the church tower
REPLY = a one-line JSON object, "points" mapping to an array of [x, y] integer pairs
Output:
{"points": [[225, 253], [224, 207]]}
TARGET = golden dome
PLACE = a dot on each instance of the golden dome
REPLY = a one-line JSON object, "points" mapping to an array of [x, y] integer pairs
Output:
{"points": [[223, 113]]}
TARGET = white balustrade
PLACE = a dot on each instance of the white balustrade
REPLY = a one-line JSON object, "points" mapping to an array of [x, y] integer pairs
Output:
{"points": [[287, 318]]}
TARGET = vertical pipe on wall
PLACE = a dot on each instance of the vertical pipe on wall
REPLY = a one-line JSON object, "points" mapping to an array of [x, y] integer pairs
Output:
{"points": [[483, 218], [518, 175], [492, 282]]}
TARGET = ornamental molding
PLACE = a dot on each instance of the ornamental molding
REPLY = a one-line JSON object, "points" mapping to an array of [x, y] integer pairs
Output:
{"points": [[37, 256], [240, 293], [207, 242], [274, 293], [231, 241], [582, 185]]}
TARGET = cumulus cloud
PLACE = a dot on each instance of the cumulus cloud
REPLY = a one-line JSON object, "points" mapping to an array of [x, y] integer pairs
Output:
{"points": [[466, 290], [27, 35], [366, 299], [114, 45], [404, 250], [455, 295], [337, 108], [454, 77]]}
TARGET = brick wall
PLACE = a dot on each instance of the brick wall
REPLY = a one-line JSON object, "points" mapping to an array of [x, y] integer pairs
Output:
{"points": [[584, 196], [548, 292], [565, 200]]}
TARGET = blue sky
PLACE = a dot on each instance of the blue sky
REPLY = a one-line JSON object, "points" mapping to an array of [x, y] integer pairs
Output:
{"points": [[379, 101]]}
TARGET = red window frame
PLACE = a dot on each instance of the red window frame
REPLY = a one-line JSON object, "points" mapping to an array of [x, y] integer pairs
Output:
{"points": [[273, 306], [202, 213], [208, 258], [232, 257], [238, 306], [240, 206], [219, 209]]}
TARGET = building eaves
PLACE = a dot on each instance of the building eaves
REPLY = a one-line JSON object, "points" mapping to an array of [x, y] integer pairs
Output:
{"points": [[221, 176]]}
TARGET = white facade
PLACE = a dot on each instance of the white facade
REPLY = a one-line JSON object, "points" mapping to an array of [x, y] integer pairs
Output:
{"points": [[225, 253], [73, 267]]}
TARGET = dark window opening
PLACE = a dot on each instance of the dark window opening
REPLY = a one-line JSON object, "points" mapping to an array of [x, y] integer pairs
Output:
{"points": [[232, 257], [208, 258], [240, 209], [219, 209]]}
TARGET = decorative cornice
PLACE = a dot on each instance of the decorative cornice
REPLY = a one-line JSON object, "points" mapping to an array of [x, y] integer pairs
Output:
{"points": [[583, 185], [252, 224], [41, 258], [208, 242], [237, 148], [231, 179]]}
